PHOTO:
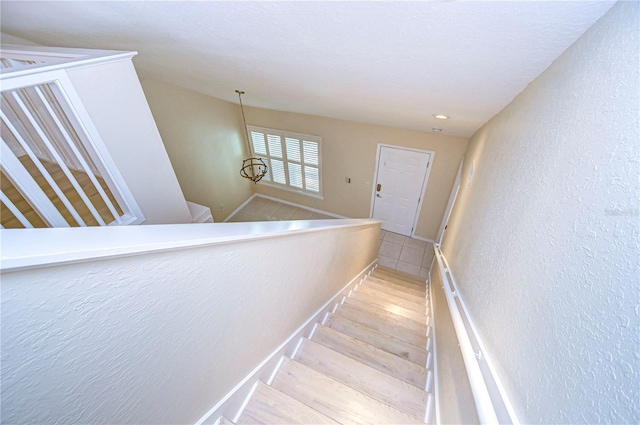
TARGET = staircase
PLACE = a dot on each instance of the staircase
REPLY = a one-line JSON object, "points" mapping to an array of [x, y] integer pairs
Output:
{"points": [[370, 362]]}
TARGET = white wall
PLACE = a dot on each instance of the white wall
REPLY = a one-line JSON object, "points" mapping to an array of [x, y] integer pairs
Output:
{"points": [[115, 101], [161, 338], [544, 240]]}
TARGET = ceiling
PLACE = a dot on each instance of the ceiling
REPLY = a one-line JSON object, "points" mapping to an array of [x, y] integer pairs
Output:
{"points": [[391, 63]]}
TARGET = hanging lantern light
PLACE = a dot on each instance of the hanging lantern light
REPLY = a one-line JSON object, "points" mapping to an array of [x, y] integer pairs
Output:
{"points": [[253, 168]]}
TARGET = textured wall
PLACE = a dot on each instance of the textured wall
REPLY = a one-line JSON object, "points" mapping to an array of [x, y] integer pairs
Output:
{"points": [[544, 240], [161, 338]]}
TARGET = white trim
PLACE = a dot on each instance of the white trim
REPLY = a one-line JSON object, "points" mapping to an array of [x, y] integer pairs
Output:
{"points": [[61, 58], [490, 397], [244, 204], [232, 404], [452, 200], [434, 360], [237, 210], [293, 204], [284, 134], [420, 238], [423, 190], [46, 247]]}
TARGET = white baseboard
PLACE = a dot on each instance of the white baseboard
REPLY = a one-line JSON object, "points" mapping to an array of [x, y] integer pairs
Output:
{"points": [[233, 403], [301, 206], [420, 238], [237, 210]]}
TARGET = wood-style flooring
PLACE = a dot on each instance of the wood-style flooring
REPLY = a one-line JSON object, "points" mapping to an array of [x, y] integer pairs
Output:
{"points": [[9, 221], [367, 363]]}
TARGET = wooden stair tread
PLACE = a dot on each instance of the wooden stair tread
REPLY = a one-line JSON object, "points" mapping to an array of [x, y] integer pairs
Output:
{"points": [[379, 385], [377, 322], [399, 278], [385, 342], [372, 356], [365, 301], [334, 399], [397, 290], [418, 304], [270, 406], [387, 316], [401, 275]]}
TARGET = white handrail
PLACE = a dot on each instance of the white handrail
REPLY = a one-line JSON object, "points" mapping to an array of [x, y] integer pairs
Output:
{"points": [[484, 405]]}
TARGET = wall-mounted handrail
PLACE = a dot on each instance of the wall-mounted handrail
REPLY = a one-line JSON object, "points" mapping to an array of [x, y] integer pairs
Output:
{"points": [[474, 358]]}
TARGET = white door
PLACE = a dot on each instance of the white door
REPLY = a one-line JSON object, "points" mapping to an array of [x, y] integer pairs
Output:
{"points": [[398, 187]]}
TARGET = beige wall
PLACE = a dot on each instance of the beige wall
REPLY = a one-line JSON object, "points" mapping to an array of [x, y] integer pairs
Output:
{"points": [[544, 241], [203, 139], [115, 101], [349, 150]]}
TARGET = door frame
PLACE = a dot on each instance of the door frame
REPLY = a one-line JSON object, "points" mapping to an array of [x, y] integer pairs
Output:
{"points": [[422, 190], [452, 201]]}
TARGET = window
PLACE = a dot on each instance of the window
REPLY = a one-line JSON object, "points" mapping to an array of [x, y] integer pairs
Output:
{"points": [[293, 159]]}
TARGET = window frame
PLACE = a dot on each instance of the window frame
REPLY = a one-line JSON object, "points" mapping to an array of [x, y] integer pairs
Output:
{"points": [[283, 134]]}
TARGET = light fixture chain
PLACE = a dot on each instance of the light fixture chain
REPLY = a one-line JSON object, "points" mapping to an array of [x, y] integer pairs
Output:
{"points": [[244, 121]]}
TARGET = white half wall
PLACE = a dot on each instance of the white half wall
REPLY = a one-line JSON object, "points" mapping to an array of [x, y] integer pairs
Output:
{"points": [[161, 337], [114, 99], [544, 238]]}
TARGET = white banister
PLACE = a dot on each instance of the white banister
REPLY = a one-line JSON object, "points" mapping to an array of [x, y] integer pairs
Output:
{"points": [[491, 402], [43, 112], [79, 156], [61, 162], [15, 211], [28, 187], [36, 161]]}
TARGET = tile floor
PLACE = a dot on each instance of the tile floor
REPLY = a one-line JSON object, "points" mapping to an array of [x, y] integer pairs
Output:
{"points": [[394, 251], [404, 254]]}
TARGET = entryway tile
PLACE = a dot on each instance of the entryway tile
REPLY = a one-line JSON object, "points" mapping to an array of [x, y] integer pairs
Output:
{"points": [[411, 256], [408, 268], [416, 244], [387, 262], [394, 238], [390, 250]]}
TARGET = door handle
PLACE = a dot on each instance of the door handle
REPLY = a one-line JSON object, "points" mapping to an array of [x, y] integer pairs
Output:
{"points": [[378, 195], [378, 187]]}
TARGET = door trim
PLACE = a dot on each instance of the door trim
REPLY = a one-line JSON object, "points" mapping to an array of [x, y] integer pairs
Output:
{"points": [[424, 183]]}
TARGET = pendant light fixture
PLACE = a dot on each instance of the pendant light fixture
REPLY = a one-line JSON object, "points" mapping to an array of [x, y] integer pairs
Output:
{"points": [[253, 168]]}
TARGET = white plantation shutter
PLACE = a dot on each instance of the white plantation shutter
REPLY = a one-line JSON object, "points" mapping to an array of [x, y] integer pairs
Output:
{"points": [[277, 171], [293, 149], [310, 152], [295, 175], [293, 159], [259, 146]]}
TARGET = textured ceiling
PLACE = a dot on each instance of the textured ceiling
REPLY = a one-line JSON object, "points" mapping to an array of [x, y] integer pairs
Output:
{"points": [[390, 63]]}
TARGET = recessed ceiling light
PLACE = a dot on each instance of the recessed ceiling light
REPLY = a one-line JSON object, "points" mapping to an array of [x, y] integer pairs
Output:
{"points": [[436, 129], [441, 117]]}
